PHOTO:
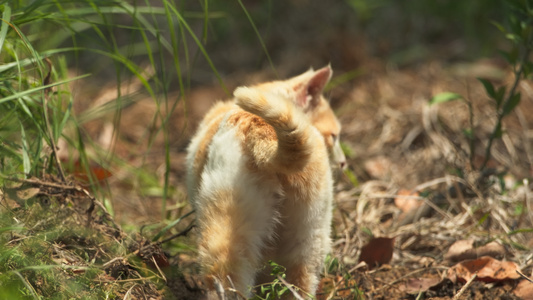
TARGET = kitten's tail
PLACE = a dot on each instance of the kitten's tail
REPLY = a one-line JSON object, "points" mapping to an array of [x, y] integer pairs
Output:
{"points": [[290, 123]]}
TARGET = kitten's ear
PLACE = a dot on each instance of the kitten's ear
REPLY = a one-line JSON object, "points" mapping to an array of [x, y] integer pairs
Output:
{"points": [[309, 91]]}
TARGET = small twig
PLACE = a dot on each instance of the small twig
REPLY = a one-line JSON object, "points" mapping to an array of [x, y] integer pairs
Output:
{"points": [[234, 290], [291, 288], [463, 289], [181, 233], [112, 261], [128, 293], [64, 186], [524, 276], [219, 289], [159, 269], [400, 279], [126, 280]]}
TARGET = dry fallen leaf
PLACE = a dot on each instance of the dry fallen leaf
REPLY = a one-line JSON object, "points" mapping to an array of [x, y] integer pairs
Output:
{"points": [[417, 285], [25, 194], [524, 290], [456, 251], [378, 167], [487, 268], [377, 251], [464, 249], [406, 200], [95, 171]]}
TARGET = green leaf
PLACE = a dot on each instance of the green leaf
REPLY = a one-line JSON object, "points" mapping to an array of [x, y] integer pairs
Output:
{"points": [[352, 177], [468, 133], [489, 88], [445, 97], [511, 104], [499, 26], [483, 219], [513, 37], [282, 291], [172, 224], [510, 56], [499, 96]]}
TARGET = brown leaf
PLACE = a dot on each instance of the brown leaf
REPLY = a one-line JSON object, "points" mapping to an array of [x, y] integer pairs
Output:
{"points": [[460, 250], [492, 249], [417, 285], [25, 194], [404, 201], [377, 251], [95, 171], [464, 249], [378, 167], [524, 290], [487, 268]]}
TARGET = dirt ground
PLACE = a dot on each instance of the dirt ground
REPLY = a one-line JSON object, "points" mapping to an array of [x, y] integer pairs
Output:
{"points": [[399, 147], [412, 182]]}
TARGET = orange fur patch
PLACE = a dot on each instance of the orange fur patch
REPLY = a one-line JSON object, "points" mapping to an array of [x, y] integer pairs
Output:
{"points": [[259, 138], [223, 244], [325, 121], [299, 275], [215, 116]]}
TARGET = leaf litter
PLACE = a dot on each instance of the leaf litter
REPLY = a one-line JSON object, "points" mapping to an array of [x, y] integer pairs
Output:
{"points": [[414, 184]]}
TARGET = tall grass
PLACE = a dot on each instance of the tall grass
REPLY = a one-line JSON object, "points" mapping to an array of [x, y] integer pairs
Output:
{"points": [[42, 43]]}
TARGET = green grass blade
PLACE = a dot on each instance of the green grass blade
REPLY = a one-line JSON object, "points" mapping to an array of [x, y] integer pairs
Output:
{"points": [[28, 286], [200, 46], [172, 224], [25, 152], [39, 89], [258, 36], [206, 20], [6, 17], [445, 97]]}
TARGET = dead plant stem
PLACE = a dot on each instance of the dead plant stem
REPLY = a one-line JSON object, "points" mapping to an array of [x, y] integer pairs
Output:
{"points": [[463, 289], [47, 124]]}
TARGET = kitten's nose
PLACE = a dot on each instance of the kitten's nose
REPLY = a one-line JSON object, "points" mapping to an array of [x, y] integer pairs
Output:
{"points": [[342, 165]]}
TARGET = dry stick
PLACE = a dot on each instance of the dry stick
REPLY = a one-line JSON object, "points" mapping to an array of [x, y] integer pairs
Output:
{"points": [[234, 290], [400, 279], [181, 233], [463, 289], [71, 188], [524, 276], [125, 280], [289, 286], [159, 269]]}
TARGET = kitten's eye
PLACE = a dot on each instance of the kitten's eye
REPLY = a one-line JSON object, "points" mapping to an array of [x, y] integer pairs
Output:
{"points": [[334, 136]]}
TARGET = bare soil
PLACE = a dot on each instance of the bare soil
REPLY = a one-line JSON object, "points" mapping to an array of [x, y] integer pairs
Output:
{"points": [[395, 141]]}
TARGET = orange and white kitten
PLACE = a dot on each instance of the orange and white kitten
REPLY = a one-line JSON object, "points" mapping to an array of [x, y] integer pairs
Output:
{"points": [[260, 180]]}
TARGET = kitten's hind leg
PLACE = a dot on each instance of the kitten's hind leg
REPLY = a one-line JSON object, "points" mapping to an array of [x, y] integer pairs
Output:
{"points": [[233, 236]]}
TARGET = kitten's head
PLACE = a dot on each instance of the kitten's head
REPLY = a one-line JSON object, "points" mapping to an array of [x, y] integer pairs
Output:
{"points": [[306, 92]]}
